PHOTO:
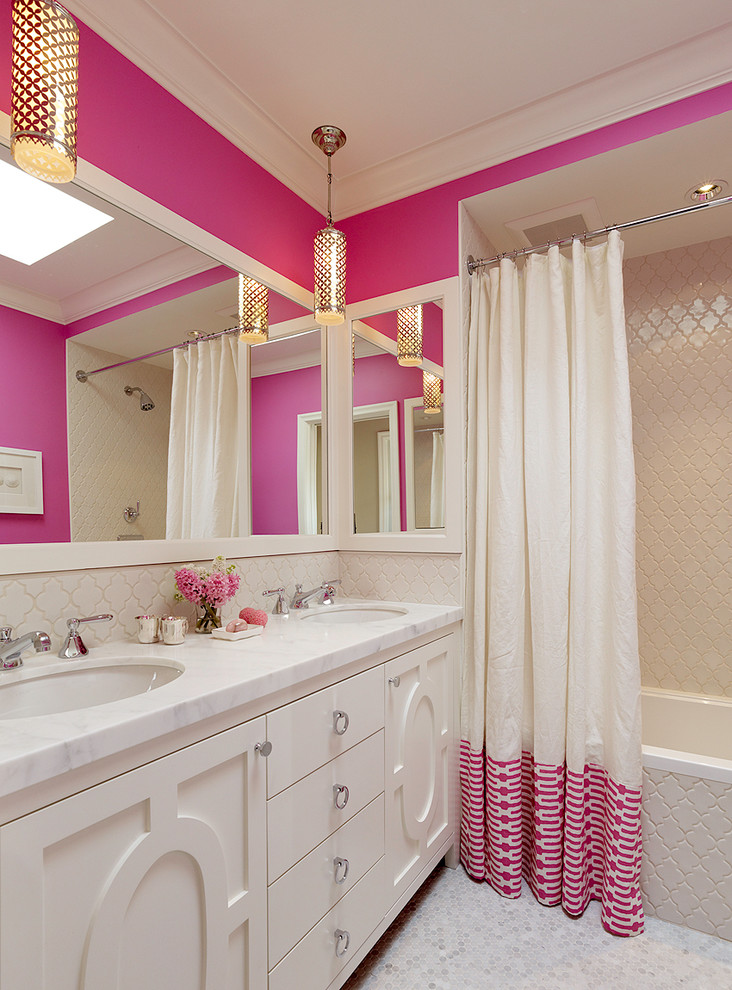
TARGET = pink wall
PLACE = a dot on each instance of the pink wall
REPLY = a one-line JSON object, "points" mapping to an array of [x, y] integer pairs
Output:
{"points": [[276, 402], [34, 418], [415, 240], [132, 128]]}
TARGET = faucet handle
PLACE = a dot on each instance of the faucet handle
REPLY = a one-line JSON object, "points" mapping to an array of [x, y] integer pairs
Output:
{"points": [[280, 606], [6, 634], [329, 590], [73, 644]]}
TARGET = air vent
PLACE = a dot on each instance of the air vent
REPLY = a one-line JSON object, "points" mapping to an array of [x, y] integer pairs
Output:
{"points": [[556, 230]]}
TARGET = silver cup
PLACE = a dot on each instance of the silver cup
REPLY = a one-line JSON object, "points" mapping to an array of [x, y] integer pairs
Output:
{"points": [[148, 628], [173, 629]]}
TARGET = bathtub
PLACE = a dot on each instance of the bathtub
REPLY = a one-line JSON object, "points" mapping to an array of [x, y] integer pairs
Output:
{"points": [[686, 877]]}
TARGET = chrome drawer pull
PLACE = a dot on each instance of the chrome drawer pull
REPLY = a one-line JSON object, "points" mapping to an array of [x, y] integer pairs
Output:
{"points": [[263, 748], [396, 681], [340, 796], [342, 941], [339, 865], [341, 721]]}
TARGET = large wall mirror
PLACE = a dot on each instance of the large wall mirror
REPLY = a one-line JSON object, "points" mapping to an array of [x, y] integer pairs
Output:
{"points": [[406, 436], [125, 291]]}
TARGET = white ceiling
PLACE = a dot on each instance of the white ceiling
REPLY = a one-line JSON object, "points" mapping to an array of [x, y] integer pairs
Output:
{"points": [[425, 92]]}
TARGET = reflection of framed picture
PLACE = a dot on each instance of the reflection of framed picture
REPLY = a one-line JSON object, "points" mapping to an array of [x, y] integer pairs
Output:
{"points": [[21, 481]]}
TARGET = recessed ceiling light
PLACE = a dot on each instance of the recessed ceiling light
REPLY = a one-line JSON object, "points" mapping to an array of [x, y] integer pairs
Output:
{"points": [[706, 191], [39, 219]]}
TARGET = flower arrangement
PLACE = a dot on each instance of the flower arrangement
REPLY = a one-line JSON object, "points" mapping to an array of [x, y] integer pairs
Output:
{"points": [[209, 588]]}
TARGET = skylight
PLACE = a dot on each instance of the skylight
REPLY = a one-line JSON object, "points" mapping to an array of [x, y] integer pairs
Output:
{"points": [[38, 219]]}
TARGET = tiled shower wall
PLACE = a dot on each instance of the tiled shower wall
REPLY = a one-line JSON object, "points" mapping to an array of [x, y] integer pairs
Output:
{"points": [[679, 317], [46, 601]]}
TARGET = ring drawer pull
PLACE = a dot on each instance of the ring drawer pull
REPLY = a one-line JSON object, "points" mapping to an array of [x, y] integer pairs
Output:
{"points": [[263, 748], [340, 869], [340, 796], [396, 680], [342, 941], [341, 721]]}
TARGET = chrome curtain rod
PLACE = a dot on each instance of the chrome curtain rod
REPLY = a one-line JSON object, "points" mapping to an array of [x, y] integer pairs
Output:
{"points": [[474, 265], [82, 376]]}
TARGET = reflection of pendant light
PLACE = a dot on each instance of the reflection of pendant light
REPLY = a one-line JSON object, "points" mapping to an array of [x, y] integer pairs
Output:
{"points": [[409, 336], [253, 311], [45, 82], [330, 245], [432, 393]]}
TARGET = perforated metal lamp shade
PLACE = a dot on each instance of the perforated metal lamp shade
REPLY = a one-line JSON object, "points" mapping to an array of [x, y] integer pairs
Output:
{"points": [[432, 393], [409, 336], [253, 311], [330, 276], [44, 90]]}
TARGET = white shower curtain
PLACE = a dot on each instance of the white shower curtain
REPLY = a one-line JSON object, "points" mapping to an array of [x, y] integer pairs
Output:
{"points": [[204, 446], [550, 754], [437, 482]]}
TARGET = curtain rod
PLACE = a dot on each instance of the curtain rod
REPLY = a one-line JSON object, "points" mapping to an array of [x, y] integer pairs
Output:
{"points": [[82, 376], [473, 265]]}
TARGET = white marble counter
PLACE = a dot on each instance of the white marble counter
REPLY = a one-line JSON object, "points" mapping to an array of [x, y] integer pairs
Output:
{"points": [[219, 676]]}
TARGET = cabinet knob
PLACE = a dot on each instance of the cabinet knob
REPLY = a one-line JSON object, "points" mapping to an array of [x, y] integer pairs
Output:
{"points": [[263, 748], [340, 869], [341, 721], [396, 680], [340, 796], [342, 941]]}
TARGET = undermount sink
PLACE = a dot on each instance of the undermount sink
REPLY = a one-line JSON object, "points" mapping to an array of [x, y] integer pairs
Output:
{"points": [[66, 688], [353, 613]]}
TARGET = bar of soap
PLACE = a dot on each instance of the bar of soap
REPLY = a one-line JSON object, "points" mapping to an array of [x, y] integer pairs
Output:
{"points": [[233, 637]]}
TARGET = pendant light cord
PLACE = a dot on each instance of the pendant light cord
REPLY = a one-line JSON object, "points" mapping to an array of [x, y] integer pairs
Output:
{"points": [[330, 179]]}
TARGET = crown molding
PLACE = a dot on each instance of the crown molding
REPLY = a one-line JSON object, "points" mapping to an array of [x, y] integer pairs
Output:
{"points": [[682, 70], [32, 303]]}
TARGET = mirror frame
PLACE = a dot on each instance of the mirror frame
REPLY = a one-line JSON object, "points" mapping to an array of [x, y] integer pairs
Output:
{"points": [[25, 558], [448, 540]]}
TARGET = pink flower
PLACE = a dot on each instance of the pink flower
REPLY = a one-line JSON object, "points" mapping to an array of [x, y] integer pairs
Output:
{"points": [[189, 585], [218, 588]]}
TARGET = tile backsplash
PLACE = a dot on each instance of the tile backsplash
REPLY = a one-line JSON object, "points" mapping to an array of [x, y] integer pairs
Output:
{"points": [[46, 601]]}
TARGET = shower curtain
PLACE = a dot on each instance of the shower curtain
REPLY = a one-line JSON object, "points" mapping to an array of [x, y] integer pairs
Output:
{"points": [[205, 442], [550, 752]]}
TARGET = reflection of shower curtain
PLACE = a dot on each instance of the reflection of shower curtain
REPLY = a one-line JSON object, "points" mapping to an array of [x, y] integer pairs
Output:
{"points": [[204, 446], [550, 757], [437, 482]]}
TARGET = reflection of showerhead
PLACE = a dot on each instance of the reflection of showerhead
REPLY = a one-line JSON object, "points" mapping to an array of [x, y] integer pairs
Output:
{"points": [[146, 403]]}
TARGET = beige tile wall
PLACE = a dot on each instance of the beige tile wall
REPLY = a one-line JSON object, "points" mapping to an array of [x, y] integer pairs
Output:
{"points": [[679, 316]]}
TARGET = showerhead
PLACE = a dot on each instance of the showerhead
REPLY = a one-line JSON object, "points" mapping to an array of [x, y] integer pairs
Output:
{"points": [[146, 403]]}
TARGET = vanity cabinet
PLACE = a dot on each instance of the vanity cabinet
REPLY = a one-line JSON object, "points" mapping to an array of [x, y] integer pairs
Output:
{"points": [[225, 865], [152, 880]]}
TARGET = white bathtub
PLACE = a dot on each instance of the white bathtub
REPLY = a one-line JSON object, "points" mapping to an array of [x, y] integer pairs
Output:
{"points": [[687, 810]]}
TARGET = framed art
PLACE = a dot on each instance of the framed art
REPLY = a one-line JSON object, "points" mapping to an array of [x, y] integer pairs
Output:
{"points": [[21, 481]]}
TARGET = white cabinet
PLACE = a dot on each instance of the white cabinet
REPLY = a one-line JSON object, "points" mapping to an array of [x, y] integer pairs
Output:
{"points": [[158, 879], [151, 881], [419, 748]]}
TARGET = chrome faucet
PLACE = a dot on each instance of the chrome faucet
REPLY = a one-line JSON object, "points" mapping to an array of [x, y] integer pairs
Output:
{"points": [[10, 649], [73, 644], [326, 592]]}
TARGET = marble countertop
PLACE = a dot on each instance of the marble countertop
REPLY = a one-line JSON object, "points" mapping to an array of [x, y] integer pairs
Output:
{"points": [[219, 676]]}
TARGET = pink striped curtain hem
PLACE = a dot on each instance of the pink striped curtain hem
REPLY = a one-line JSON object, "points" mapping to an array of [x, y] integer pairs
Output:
{"points": [[574, 837]]}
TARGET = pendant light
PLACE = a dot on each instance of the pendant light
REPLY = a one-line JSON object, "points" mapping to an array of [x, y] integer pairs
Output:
{"points": [[409, 336], [330, 245], [431, 393], [253, 311], [44, 90]]}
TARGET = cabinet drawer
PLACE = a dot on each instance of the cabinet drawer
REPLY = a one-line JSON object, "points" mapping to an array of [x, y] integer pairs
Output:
{"points": [[313, 963], [299, 818], [305, 734], [301, 897]]}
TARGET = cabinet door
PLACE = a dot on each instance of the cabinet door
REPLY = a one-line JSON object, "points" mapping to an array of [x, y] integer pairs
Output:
{"points": [[152, 881], [419, 751]]}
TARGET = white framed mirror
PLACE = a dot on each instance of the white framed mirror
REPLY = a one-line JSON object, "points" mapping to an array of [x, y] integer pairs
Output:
{"points": [[210, 266], [379, 382]]}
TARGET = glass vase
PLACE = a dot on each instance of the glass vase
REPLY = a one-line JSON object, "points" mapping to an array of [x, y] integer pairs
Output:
{"points": [[208, 618]]}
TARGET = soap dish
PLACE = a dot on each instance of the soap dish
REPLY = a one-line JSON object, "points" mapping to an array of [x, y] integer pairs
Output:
{"points": [[234, 637]]}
